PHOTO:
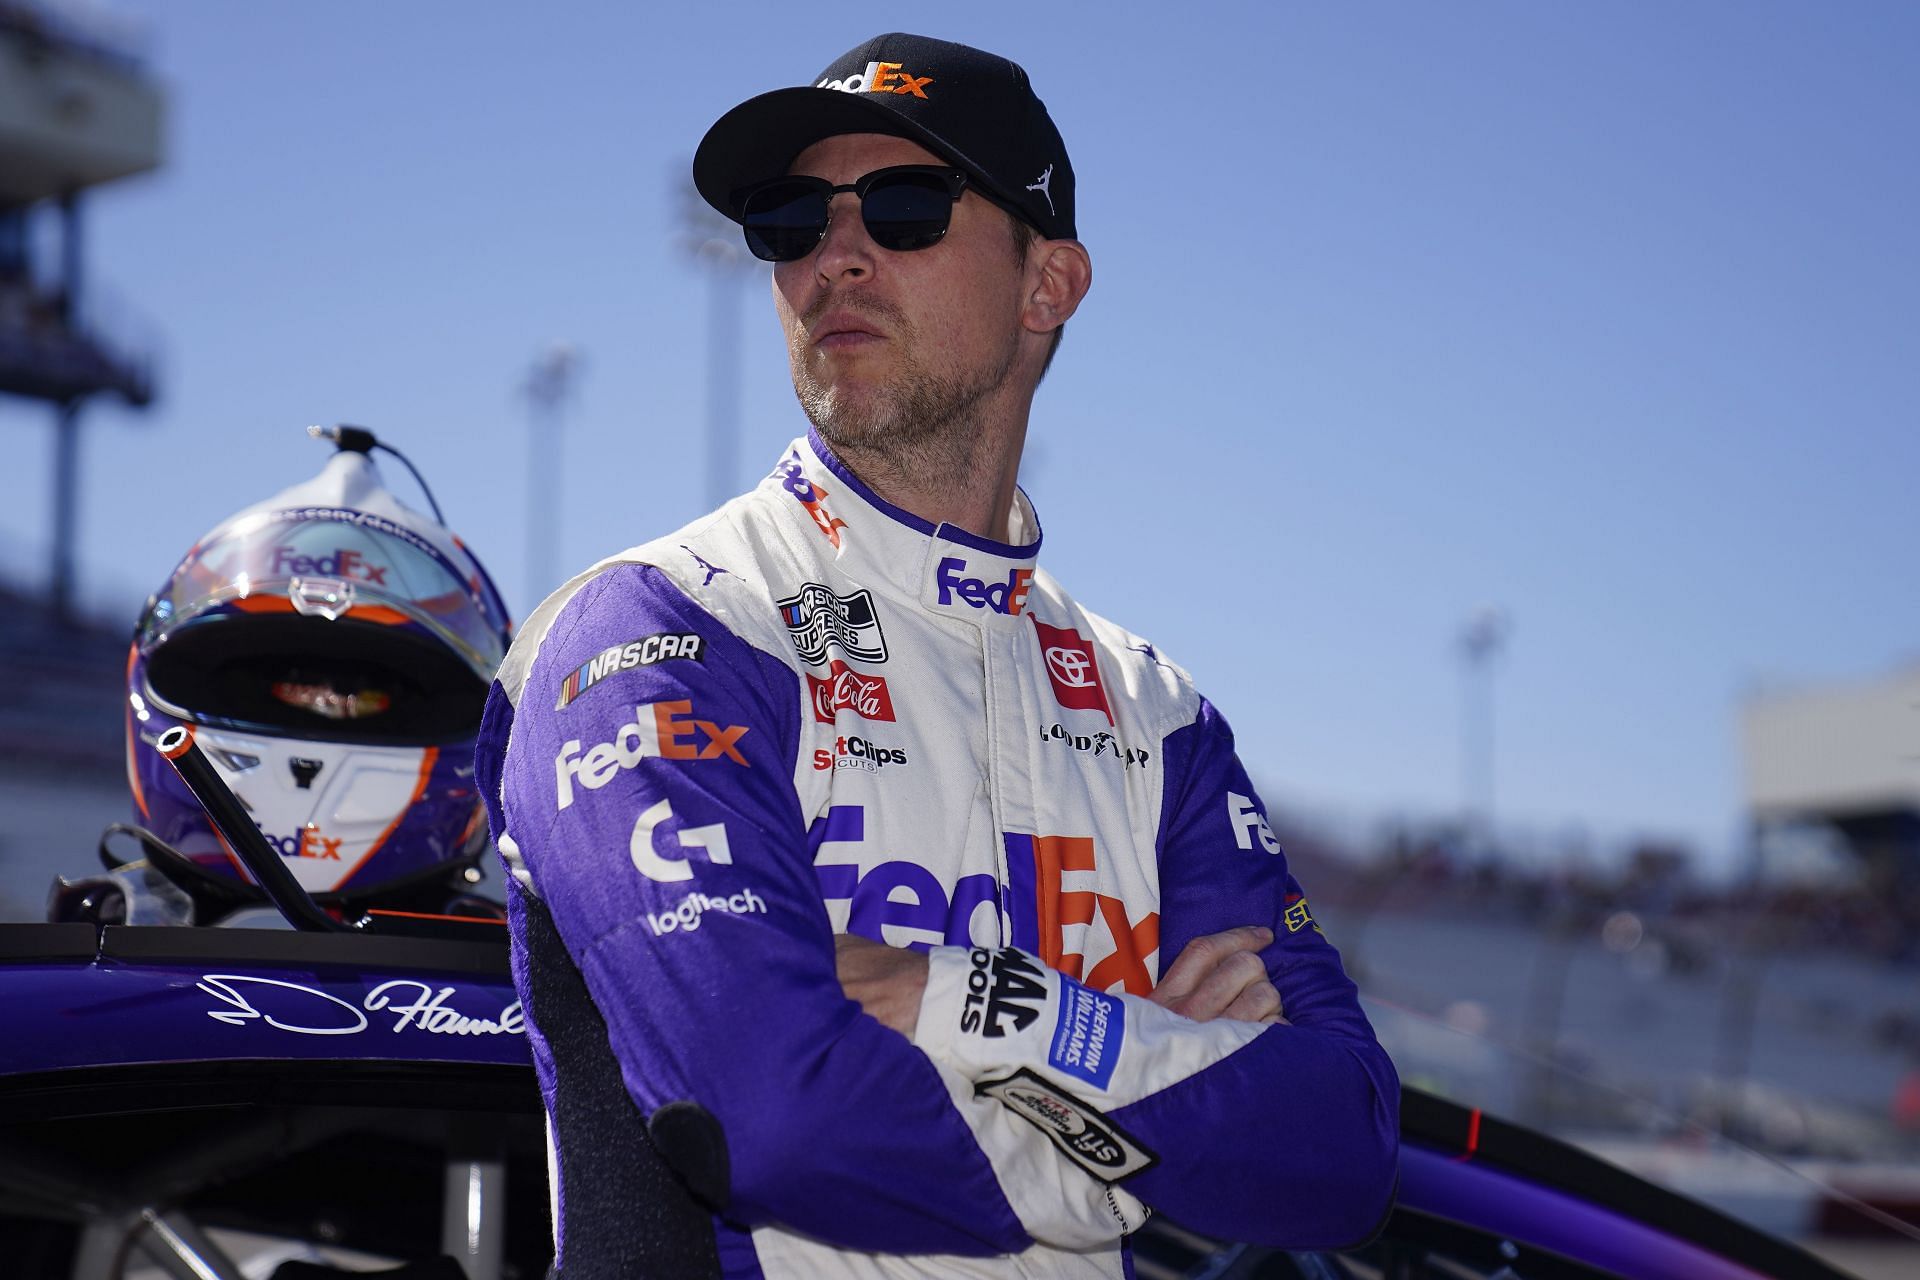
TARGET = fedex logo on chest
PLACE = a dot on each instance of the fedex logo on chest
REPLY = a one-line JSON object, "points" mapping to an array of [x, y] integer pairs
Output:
{"points": [[1054, 903], [895, 899], [1008, 597]]}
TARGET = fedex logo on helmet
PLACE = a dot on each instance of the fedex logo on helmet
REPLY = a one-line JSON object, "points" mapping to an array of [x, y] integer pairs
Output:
{"points": [[344, 563], [1009, 597], [307, 842], [880, 77]]}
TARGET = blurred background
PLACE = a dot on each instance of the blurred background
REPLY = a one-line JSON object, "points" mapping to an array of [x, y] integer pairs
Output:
{"points": [[1509, 413]]}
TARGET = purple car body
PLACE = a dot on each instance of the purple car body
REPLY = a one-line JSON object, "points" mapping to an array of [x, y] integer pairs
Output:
{"points": [[125, 1021]]}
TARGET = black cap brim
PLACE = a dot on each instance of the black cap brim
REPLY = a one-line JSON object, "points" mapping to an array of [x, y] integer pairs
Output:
{"points": [[759, 139]]}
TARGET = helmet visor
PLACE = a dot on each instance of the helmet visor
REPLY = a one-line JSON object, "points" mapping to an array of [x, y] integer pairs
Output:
{"points": [[332, 564]]}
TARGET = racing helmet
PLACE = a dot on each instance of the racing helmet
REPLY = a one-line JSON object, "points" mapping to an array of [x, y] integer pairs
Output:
{"points": [[332, 649]]}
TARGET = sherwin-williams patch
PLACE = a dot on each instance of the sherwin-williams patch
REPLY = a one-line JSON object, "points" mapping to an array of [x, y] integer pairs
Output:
{"points": [[1088, 1035]]}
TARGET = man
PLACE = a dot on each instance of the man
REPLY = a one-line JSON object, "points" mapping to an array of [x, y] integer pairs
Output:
{"points": [[848, 710]]}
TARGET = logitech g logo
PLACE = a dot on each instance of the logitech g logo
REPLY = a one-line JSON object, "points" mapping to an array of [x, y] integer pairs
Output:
{"points": [[655, 865]]}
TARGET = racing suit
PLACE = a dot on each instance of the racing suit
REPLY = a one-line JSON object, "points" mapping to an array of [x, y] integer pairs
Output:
{"points": [[813, 713]]}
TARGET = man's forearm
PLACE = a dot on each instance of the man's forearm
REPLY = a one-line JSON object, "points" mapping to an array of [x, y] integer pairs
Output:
{"points": [[1223, 1124]]}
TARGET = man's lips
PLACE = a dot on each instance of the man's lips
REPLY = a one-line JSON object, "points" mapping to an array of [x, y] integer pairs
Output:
{"points": [[842, 331]]}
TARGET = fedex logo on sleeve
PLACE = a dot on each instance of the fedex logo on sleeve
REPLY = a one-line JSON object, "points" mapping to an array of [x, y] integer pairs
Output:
{"points": [[1009, 597], [1249, 823], [660, 730]]}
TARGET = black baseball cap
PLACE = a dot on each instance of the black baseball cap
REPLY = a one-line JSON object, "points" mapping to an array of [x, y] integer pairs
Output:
{"points": [[974, 109]]}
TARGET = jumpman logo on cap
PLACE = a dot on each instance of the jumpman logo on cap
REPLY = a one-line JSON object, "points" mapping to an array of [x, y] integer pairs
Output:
{"points": [[1046, 180]]}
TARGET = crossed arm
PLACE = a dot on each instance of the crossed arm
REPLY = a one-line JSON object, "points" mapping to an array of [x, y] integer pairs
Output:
{"points": [[1218, 975]]}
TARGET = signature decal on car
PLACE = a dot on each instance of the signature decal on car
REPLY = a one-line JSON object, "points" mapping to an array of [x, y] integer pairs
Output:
{"points": [[308, 1011]]}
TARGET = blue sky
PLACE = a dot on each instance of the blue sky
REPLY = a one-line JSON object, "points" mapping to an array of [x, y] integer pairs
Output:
{"points": [[1606, 315]]}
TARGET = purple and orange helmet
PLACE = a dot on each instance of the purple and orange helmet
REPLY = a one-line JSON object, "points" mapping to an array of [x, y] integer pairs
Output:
{"points": [[331, 648]]}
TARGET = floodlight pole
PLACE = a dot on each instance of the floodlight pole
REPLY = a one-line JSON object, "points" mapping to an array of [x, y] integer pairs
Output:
{"points": [[723, 383], [1481, 643], [714, 245], [549, 382], [66, 438]]}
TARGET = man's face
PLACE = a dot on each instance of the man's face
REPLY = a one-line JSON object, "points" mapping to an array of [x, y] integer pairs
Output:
{"points": [[889, 347]]}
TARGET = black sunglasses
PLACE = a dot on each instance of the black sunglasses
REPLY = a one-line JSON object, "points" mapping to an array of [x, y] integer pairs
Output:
{"points": [[904, 207]]}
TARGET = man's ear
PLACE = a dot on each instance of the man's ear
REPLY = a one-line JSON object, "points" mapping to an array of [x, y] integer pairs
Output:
{"points": [[1065, 273]]}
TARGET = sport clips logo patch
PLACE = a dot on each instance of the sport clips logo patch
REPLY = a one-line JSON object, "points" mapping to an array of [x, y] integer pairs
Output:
{"points": [[881, 77]]}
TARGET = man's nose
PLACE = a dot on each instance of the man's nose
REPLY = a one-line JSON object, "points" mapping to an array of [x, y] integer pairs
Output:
{"points": [[847, 251]]}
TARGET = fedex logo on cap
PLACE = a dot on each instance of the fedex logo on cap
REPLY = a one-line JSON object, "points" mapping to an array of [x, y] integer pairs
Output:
{"points": [[1009, 597], [881, 77]]}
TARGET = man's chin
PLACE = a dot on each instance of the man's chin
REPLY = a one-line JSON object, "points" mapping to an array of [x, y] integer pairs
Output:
{"points": [[845, 430], [848, 414]]}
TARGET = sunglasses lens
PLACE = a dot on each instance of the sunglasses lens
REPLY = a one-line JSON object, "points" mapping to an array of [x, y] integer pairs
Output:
{"points": [[784, 220], [907, 210]]}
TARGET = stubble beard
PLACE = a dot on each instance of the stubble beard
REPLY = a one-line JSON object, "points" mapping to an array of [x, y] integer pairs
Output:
{"points": [[920, 423]]}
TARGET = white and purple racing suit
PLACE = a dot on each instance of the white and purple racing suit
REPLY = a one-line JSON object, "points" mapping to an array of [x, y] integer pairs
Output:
{"points": [[813, 713]]}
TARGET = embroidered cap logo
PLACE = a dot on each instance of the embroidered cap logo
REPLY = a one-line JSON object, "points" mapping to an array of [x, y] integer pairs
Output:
{"points": [[881, 77]]}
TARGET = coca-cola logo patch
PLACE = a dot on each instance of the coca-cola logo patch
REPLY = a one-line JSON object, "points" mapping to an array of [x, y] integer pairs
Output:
{"points": [[844, 688]]}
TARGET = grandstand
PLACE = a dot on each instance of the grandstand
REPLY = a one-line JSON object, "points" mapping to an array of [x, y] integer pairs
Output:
{"points": [[1845, 758], [78, 111]]}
